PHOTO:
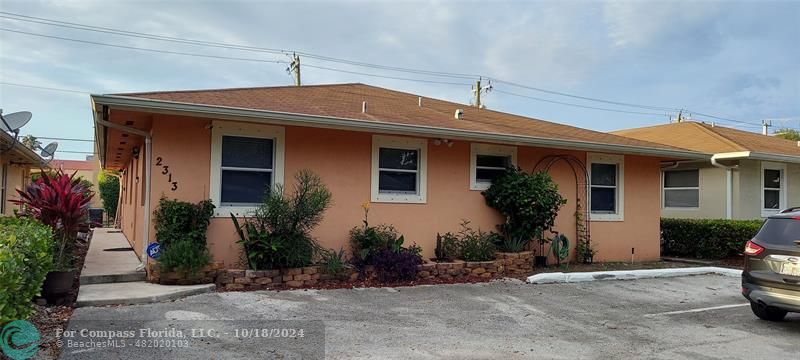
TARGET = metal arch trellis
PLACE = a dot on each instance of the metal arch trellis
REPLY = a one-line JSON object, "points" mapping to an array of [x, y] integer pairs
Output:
{"points": [[582, 191]]}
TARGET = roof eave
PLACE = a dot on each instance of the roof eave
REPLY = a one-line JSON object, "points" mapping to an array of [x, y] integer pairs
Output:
{"points": [[758, 156], [164, 106], [28, 154]]}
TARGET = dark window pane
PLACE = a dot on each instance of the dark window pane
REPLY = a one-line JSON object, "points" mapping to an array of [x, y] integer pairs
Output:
{"points": [[392, 181], [246, 152], [683, 178], [780, 232], [493, 161], [772, 199], [604, 174], [682, 198], [398, 159], [246, 187], [487, 175], [772, 179], [604, 200]]}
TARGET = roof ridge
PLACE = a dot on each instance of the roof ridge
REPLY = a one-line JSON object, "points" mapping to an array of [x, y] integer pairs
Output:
{"points": [[233, 89], [709, 130]]}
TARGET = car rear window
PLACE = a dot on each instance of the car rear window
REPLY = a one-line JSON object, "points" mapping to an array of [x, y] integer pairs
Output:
{"points": [[780, 232]]}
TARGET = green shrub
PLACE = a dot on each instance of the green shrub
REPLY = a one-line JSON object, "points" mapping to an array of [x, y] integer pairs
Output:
{"points": [[26, 247], [447, 247], [476, 245], [333, 262], [181, 232], [108, 186], [706, 239], [529, 202], [368, 240], [278, 234]]}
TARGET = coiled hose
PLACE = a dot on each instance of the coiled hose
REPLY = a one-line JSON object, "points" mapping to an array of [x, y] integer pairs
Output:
{"points": [[560, 247]]}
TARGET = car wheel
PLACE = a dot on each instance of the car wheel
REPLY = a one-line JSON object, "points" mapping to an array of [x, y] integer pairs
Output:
{"points": [[767, 312]]}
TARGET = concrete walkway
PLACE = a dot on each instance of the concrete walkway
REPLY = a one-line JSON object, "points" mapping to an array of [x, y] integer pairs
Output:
{"points": [[104, 266], [109, 275]]}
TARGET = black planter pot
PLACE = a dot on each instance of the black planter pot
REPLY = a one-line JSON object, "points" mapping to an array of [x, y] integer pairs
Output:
{"points": [[540, 261], [57, 284]]}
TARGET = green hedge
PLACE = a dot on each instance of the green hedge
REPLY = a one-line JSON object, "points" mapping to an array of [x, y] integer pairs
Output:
{"points": [[706, 239], [25, 259]]}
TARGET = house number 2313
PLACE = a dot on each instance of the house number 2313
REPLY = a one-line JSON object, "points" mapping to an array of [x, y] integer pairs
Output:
{"points": [[166, 172]]}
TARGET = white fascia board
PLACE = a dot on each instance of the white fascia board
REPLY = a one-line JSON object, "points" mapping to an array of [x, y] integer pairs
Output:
{"points": [[243, 114]]}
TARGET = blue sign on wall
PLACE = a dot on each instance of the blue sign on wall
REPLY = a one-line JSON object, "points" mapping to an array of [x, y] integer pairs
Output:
{"points": [[154, 251]]}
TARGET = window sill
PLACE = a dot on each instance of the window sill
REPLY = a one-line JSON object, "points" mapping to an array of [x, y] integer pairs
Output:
{"points": [[238, 211], [681, 208], [479, 186], [399, 199], [606, 217]]}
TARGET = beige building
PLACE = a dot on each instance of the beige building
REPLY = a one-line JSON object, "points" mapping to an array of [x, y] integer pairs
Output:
{"points": [[750, 176], [16, 161], [85, 169]]}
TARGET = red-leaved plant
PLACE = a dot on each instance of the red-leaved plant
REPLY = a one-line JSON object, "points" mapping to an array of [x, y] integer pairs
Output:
{"points": [[60, 201]]}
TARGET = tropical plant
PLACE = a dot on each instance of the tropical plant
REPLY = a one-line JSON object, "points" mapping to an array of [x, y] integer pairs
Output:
{"points": [[61, 202], [181, 233], [333, 262], [278, 234], [476, 245], [447, 247], [788, 134], [368, 240], [397, 265], [529, 203], [108, 186], [31, 142], [25, 258]]}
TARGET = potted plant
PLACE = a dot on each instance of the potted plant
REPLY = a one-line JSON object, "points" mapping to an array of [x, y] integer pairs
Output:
{"points": [[61, 202]]}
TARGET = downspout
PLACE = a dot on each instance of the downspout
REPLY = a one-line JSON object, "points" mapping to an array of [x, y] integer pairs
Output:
{"points": [[728, 186], [148, 147]]}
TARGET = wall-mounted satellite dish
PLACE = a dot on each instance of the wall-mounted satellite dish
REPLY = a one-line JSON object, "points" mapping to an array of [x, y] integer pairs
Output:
{"points": [[49, 150], [14, 121]]}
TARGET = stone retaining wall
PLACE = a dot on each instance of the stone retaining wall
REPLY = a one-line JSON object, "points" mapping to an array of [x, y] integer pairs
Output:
{"points": [[506, 264], [206, 275]]}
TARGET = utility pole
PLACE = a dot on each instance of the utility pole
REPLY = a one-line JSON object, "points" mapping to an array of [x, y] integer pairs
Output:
{"points": [[765, 124], [478, 93], [295, 68]]}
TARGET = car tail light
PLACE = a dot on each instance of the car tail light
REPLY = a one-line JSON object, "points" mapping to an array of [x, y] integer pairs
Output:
{"points": [[752, 249]]}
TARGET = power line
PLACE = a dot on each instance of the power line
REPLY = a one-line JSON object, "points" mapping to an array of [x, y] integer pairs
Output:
{"points": [[43, 87], [577, 105], [75, 152], [386, 76], [145, 49], [62, 139], [20, 17]]}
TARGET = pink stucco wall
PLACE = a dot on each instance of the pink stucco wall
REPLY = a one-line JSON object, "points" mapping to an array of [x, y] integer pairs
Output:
{"points": [[343, 160]]}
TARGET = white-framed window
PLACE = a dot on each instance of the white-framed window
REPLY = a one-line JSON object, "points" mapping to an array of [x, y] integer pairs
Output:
{"points": [[773, 188], [246, 160], [607, 187], [681, 189], [487, 162], [399, 167]]}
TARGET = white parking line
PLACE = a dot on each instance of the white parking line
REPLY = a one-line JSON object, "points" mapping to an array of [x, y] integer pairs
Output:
{"points": [[698, 310]]}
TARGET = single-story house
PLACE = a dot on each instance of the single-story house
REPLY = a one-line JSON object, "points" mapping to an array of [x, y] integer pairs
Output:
{"points": [[420, 162], [16, 161], [750, 176]]}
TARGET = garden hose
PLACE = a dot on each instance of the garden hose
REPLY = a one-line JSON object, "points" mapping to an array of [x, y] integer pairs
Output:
{"points": [[560, 247]]}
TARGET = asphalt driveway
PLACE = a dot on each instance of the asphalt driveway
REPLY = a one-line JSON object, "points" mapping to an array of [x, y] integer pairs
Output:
{"points": [[699, 317]]}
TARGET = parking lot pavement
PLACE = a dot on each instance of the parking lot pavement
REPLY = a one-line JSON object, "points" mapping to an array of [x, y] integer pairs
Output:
{"points": [[677, 318]]}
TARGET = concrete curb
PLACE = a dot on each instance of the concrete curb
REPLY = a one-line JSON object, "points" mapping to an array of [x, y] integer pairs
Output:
{"points": [[135, 293], [555, 278], [113, 278]]}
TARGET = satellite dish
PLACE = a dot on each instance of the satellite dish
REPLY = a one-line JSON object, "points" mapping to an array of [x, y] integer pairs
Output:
{"points": [[49, 150], [14, 121]]}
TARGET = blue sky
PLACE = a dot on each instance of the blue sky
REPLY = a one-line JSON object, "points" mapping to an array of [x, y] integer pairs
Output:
{"points": [[733, 59]]}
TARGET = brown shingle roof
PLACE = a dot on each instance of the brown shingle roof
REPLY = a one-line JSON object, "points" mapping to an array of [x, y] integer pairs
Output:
{"points": [[712, 139], [388, 106]]}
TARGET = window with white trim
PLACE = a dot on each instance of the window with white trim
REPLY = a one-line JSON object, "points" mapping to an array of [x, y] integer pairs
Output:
{"points": [[606, 185], [399, 169], [246, 161], [487, 162], [681, 188], [773, 190]]}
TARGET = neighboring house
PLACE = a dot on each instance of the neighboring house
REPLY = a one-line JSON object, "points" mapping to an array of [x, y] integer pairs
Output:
{"points": [[15, 164], [421, 162], [751, 176], [87, 170]]}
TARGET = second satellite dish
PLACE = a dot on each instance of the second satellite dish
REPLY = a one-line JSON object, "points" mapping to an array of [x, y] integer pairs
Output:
{"points": [[14, 121], [49, 150]]}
